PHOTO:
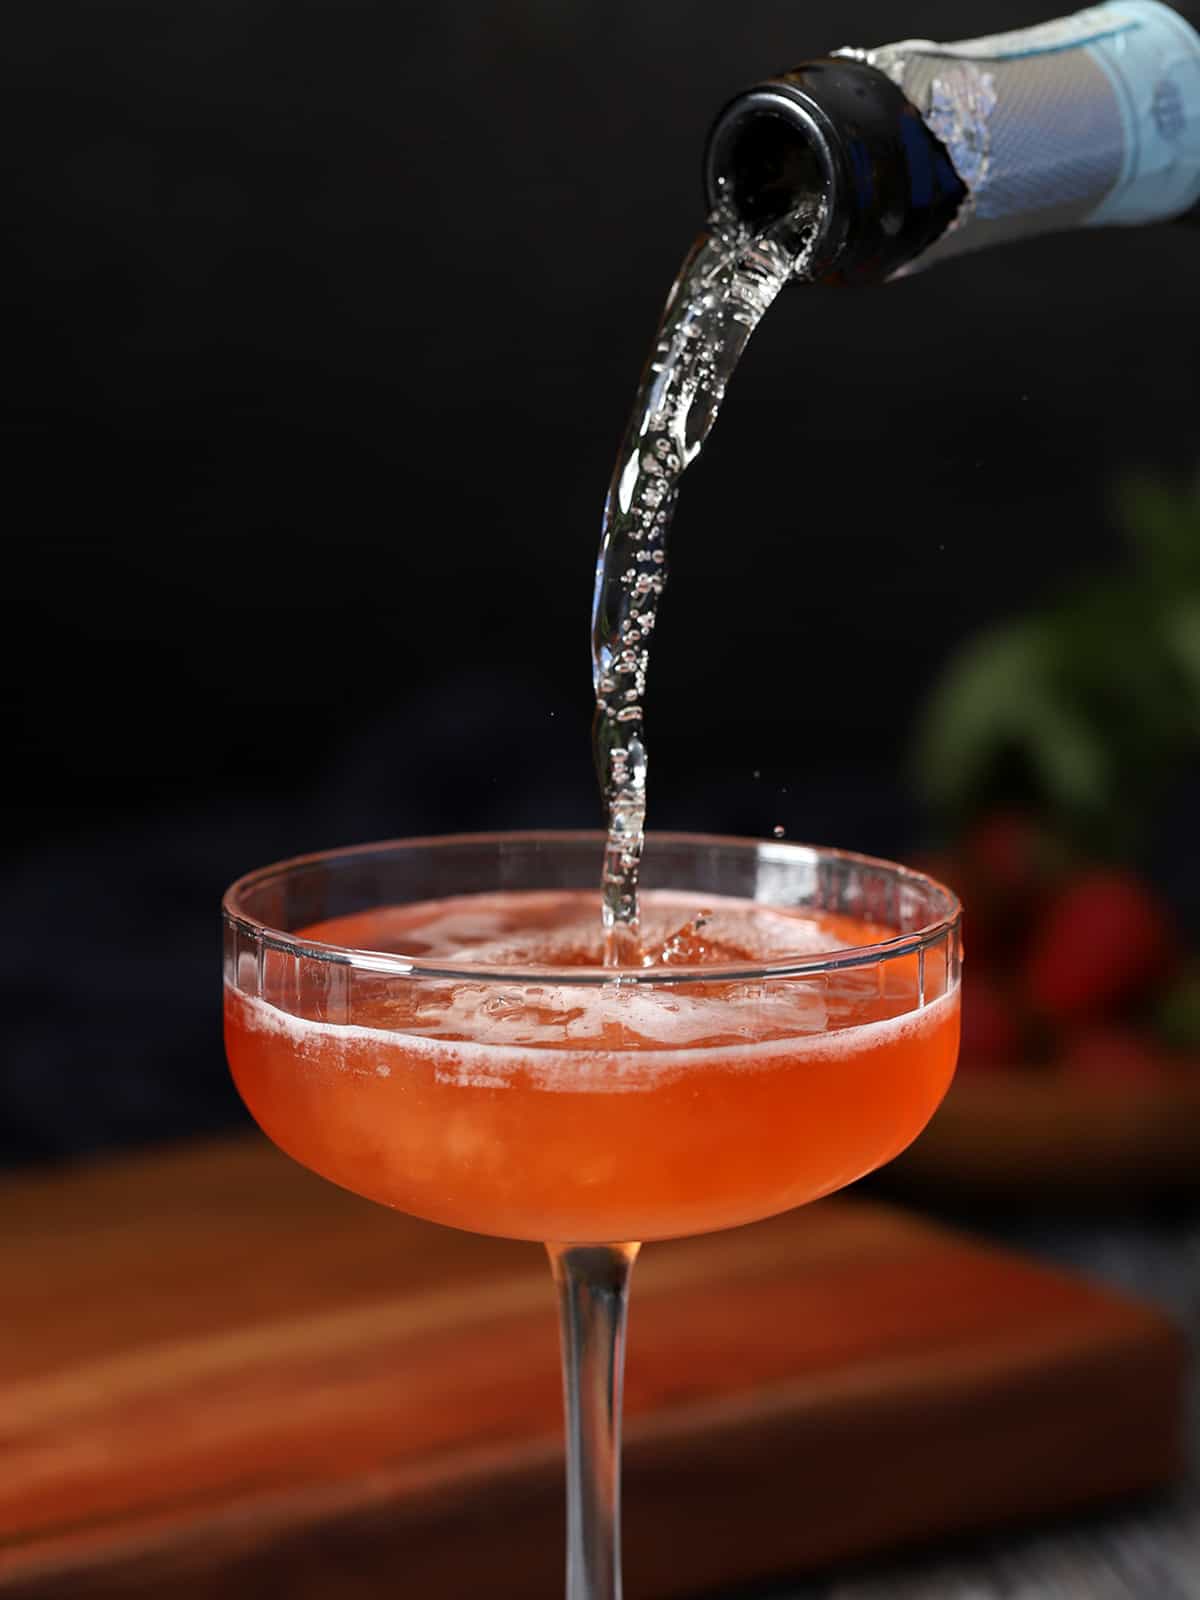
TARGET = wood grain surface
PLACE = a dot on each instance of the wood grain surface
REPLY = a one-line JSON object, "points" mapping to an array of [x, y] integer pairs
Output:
{"points": [[1023, 1135], [222, 1376]]}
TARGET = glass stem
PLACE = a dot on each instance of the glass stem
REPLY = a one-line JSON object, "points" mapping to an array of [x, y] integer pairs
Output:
{"points": [[593, 1295]]}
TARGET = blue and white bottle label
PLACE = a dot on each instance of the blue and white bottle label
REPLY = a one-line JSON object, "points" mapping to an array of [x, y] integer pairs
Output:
{"points": [[1090, 119], [1153, 64], [1064, 33]]}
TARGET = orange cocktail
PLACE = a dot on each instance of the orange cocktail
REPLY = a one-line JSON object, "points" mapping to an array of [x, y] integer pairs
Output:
{"points": [[596, 1110]]}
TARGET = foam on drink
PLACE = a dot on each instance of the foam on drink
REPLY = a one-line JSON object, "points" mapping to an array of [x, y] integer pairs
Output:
{"points": [[612, 1035]]}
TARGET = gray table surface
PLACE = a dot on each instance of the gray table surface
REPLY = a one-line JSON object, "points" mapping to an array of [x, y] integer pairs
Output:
{"points": [[1151, 1552]]}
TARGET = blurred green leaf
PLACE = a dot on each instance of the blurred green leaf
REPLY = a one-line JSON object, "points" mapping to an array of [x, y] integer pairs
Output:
{"points": [[1163, 523], [1000, 696], [1089, 702], [1182, 628], [1179, 1010]]}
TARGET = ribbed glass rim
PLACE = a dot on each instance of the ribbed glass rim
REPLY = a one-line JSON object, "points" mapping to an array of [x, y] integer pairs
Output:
{"points": [[769, 850]]}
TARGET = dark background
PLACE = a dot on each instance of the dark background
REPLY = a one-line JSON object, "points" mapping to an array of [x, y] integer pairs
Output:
{"points": [[323, 321]]}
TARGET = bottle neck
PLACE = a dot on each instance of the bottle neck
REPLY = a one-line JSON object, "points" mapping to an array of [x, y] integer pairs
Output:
{"points": [[836, 129]]}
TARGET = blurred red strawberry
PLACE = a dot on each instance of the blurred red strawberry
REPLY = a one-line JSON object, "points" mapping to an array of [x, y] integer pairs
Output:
{"points": [[991, 1030], [1101, 942], [979, 929], [940, 865], [948, 869], [1008, 856], [1113, 1053], [980, 936], [1006, 862]]}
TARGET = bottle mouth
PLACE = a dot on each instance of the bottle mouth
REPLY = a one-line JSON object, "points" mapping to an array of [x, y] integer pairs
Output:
{"points": [[769, 156]]}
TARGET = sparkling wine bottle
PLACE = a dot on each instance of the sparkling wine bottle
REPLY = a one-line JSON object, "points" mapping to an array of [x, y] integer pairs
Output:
{"points": [[924, 150]]}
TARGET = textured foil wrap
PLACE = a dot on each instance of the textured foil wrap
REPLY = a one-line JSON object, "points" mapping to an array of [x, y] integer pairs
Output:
{"points": [[961, 101]]}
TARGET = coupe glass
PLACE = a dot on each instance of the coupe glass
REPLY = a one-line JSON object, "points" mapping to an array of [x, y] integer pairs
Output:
{"points": [[587, 1107]]}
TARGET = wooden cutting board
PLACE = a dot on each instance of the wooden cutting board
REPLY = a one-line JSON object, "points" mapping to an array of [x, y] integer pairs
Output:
{"points": [[220, 1376], [1021, 1135]]}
